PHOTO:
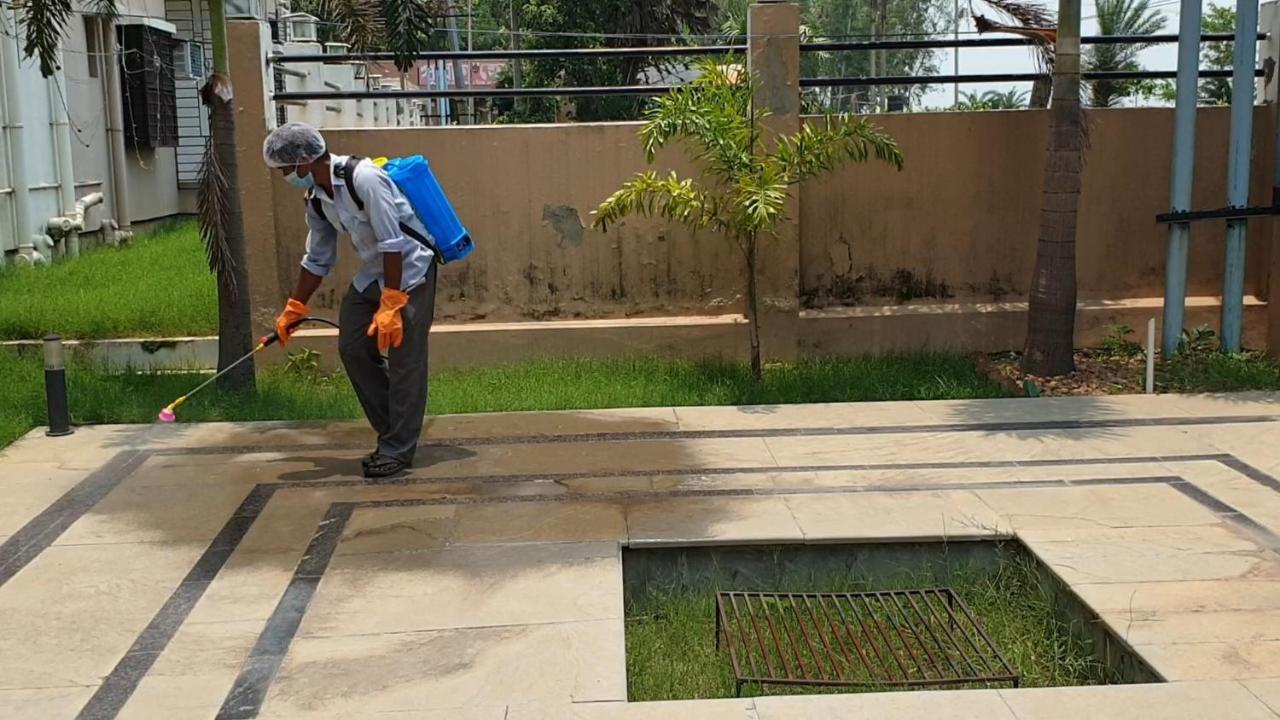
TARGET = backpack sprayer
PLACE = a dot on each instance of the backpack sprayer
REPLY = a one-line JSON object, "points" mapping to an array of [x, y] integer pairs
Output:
{"points": [[167, 414], [449, 239]]}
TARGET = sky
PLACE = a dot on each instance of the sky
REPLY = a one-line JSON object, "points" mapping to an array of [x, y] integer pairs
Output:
{"points": [[1018, 60]]}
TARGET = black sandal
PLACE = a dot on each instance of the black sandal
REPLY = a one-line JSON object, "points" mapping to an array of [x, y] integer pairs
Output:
{"points": [[381, 466], [368, 459]]}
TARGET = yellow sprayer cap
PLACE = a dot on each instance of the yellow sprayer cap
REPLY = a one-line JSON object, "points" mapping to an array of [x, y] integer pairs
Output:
{"points": [[380, 161]]}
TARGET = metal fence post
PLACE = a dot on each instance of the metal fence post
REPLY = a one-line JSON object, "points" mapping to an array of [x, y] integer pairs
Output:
{"points": [[1184, 159], [1241, 145]]}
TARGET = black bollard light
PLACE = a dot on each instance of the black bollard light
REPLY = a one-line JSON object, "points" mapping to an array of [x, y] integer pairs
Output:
{"points": [[55, 387]]}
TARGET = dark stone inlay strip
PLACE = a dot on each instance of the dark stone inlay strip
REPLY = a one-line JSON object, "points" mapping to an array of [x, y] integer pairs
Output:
{"points": [[1229, 513], [1203, 497], [1251, 472], [249, 692], [42, 530], [119, 685], [764, 470], [1259, 531], [626, 495], [545, 439]]}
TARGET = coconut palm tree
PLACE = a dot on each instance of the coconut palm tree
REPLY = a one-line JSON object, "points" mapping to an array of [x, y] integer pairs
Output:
{"points": [[1051, 317], [221, 220], [1119, 17]]}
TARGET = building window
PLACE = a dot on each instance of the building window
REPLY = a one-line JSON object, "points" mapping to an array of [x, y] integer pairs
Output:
{"points": [[92, 46], [149, 96]]}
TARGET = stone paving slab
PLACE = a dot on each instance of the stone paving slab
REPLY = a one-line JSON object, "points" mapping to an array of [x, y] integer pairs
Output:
{"points": [[717, 520], [162, 572], [1147, 600], [1180, 662], [1268, 691], [1181, 701], [939, 705], [30, 489], [467, 587], [1068, 512], [1197, 627], [896, 516], [56, 702], [344, 675], [67, 619]]}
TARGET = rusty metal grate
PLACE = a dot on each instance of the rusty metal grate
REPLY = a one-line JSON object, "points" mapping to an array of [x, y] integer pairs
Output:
{"points": [[901, 638]]}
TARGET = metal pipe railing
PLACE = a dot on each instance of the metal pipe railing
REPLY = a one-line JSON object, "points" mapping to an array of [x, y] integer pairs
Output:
{"points": [[296, 97], [635, 90], [696, 50], [943, 44], [871, 80], [654, 90], [541, 54]]}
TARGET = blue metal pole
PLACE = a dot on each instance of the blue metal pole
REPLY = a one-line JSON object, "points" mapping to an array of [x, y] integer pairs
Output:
{"points": [[1241, 144], [1184, 159]]}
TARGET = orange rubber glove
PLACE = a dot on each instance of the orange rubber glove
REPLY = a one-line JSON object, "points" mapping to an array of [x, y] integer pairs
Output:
{"points": [[294, 310], [387, 323]]}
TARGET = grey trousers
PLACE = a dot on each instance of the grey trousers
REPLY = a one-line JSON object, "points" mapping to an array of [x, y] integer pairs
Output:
{"points": [[392, 390]]}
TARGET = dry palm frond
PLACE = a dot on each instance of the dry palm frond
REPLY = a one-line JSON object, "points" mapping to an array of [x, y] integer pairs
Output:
{"points": [[215, 215], [1027, 19], [357, 22], [213, 199], [1024, 14]]}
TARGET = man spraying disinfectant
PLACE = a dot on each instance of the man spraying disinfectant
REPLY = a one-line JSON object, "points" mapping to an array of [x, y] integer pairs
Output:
{"points": [[389, 306]]}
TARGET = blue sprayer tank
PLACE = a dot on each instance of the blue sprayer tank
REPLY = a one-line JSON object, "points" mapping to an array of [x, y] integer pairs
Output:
{"points": [[413, 176]]}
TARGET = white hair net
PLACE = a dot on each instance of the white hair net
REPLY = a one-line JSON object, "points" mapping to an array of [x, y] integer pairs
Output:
{"points": [[293, 144]]}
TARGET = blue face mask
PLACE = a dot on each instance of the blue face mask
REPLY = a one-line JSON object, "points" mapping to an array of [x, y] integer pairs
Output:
{"points": [[304, 183]]}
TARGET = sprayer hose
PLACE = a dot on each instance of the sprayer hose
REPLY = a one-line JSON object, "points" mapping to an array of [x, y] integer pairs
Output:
{"points": [[313, 318]]}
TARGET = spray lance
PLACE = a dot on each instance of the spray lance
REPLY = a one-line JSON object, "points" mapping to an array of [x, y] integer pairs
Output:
{"points": [[168, 413]]}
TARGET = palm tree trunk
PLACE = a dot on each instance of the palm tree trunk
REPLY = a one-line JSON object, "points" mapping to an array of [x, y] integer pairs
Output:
{"points": [[1052, 315], [235, 331], [753, 309], [1040, 92]]}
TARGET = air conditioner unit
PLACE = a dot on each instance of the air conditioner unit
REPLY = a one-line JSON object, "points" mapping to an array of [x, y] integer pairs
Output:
{"points": [[188, 60], [242, 9], [336, 48]]}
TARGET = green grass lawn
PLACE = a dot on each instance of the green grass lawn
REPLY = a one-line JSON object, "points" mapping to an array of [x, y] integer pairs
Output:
{"points": [[157, 285], [671, 650], [302, 393], [1215, 372]]}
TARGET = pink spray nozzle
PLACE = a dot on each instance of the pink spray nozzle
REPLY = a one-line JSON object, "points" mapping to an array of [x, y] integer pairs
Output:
{"points": [[167, 415]]}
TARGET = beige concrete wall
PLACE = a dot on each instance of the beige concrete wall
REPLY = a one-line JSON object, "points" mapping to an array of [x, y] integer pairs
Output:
{"points": [[965, 209], [526, 194], [963, 212]]}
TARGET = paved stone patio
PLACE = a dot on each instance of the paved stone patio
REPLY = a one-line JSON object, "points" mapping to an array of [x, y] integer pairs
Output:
{"points": [[245, 570]]}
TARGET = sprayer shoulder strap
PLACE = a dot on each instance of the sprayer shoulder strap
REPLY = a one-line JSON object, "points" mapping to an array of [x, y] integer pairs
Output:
{"points": [[347, 173], [314, 201]]}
